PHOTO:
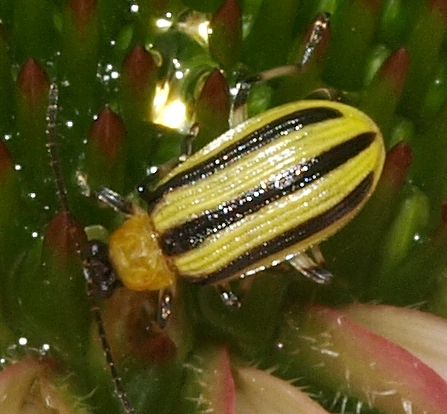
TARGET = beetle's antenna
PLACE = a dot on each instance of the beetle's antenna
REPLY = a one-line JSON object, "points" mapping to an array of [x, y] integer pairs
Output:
{"points": [[117, 380], [238, 111], [52, 148]]}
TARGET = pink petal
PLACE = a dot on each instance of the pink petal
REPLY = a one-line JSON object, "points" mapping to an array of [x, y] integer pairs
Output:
{"points": [[421, 333], [359, 362], [258, 392]]}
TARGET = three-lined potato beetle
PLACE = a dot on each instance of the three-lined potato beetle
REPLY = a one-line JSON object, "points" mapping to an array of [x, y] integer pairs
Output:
{"points": [[264, 192]]}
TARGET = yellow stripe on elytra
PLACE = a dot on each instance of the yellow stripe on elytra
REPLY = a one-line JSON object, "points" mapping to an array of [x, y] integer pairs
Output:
{"points": [[247, 127], [191, 201], [280, 216], [237, 133]]}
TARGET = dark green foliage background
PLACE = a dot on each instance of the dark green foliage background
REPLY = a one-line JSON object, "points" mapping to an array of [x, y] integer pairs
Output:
{"points": [[394, 252]]}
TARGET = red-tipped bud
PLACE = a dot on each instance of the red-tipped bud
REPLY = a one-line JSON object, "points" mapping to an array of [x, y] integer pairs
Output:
{"points": [[396, 165], [156, 348], [33, 83], [64, 236], [127, 326], [215, 95], [5, 161], [226, 33], [373, 5], [140, 68], [440, 6], [444, 214], [212, 108], [395, 68], [108, 133], [228, 15], [217, 374], [82, 11]]}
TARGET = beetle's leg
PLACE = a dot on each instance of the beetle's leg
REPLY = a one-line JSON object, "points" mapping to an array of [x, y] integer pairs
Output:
{"points": [[188, 141], [114, 200], [238, 111], [327, 94], [318, 30], [318, 255], [228, 297], [104, 195], [164, 306], [313, 268]]}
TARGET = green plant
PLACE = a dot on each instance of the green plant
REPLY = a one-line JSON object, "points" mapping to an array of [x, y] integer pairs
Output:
{"points": [[109, 59]]}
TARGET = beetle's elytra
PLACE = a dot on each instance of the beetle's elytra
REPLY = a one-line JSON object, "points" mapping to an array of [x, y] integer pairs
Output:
{"points": [[261, 193]]}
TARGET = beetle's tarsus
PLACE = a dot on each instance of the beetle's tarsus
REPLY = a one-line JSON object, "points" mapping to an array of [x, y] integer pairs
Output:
{"points": [[228, 297], [312, 268], [114, 200], [319, 28], [188, 141], [164, 307]]}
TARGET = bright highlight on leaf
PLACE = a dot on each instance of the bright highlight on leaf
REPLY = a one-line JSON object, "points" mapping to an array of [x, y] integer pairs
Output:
{"points": [[169, 111]]}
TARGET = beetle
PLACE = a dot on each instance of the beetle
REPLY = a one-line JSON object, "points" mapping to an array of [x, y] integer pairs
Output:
{"points": [[264, 192], [268, 190]]}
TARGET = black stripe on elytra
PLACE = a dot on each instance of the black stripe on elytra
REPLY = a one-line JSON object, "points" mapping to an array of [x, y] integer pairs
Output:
{"points": [[252, 142], [191, 234], [292, 236]]}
